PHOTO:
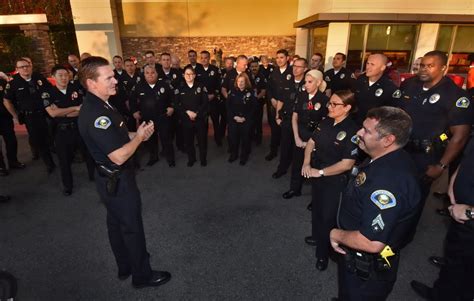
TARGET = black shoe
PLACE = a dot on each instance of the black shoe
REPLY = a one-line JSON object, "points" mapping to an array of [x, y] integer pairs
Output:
{"points": [[270, 156], [151, 162], [172, 164], [218, 143], [278, 174], [309, 240], [232, 158], [5, 198], [204, 163], [440, 195], [291, 193], [322, 264], [36, 156], [422, 290], [67, 192], [123, 275], [437, 261], [191, 163], [3, 172], [442, 212], [157, 278], [16, 165], [243, 162], [310, 207]]}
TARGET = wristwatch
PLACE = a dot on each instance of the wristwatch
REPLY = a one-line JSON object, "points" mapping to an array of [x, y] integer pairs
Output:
{"points": [[469, 213], [442, 165], [321, 172]]}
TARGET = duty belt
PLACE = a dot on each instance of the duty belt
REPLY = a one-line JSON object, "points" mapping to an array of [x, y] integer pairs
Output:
{"points": [[365, 264], [27, 112], [67, 126], [419, 146]]}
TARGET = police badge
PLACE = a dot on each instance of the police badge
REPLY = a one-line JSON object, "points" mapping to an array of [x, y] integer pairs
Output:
{"points": [[434, 98], [162, 90], [378, 92], [288, 77], [342, 76], [212, 73], [248, 94], [40, 83], [317, 106], [341, 135], [360, 179], [198, 90]]}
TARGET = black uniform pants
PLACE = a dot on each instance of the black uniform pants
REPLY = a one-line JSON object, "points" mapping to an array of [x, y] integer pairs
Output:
{"points": [[326, 196], [239, 134], [37, 128], [455, 278], [275, 129], [286, 145], [196, 129], [11, 144], [376, 288], [163, 131], [68, 140], [176, 131], [257, 130], [125, 225], [217, 112], [296, 180]]}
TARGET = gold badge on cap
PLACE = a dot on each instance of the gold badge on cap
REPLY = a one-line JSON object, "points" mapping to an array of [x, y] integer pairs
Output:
{"points": [[341, 135], [360, 179]]}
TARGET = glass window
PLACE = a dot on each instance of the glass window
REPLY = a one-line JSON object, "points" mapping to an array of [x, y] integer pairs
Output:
{"points": [[463, 48], [444, 37], [356, 46], [320, 39]]}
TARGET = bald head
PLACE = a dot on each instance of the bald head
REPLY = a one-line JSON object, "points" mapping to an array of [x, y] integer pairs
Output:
{"points": [[375, 66]]}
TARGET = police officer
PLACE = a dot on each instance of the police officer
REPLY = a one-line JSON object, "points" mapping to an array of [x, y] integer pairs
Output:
{"points": [[229, 77], [150, 59], [339, 78], [8, 133], [25, 94], [118, 67], [228, 66], [151, 100], [334, 155], [377, 215], [442, 117], [192, 106], [64, 105], [455, 278], [209, 77], [280, 86], [241, 105], [261, 87], [111, 146], [317, 62], [192, 57], [130, 78], [168, 74], [265, 68], [310, 109], [73, 61], [374, 88], [120, 99]]}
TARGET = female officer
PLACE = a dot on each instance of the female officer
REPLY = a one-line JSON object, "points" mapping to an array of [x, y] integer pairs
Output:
{"points": [[241, 105], [310, 108], [192, 106], [334, 155]]}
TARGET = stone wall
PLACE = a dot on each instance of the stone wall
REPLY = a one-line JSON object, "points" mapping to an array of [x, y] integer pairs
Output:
{"points": [[231, 46], [44, 50]]}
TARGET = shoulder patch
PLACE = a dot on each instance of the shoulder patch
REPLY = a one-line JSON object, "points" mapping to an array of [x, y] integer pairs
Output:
{"points": [[327, 78], [45, 95], [462, 102], [102, 122], [383, 199], [355, 139], [360, 179], [353, 76]]}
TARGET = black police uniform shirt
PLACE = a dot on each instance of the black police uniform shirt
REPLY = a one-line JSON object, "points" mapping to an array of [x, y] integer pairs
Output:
{"points": [[28, 95], [333, 142], [434, 110], [374, 203], [72, 97], [241, 104], [209, 78], [119, 74], [191, 99], [130, 81], [3, 111], [281, 86], [311, 109], [464, 183], [151, 100], [173, 77], [260, 82], [197, 68], [266, 71], [344, 79], [228, 79], [102, 128], [377, 94]]}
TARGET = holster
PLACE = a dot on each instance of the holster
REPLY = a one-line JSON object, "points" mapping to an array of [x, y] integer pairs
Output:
{"points": [[365, 265], [113, 178]]}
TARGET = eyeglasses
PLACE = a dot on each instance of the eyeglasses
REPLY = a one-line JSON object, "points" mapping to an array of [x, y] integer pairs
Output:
{"points": [[23, 67], [333, 104], [295, 66]]}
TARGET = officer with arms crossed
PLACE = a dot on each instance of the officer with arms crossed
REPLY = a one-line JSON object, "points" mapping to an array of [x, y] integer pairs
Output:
{"points": [[111, 145], [378, 214]]}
